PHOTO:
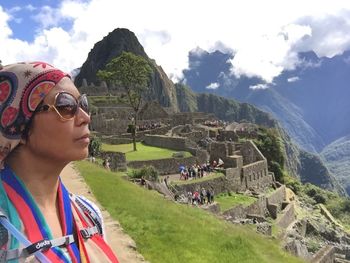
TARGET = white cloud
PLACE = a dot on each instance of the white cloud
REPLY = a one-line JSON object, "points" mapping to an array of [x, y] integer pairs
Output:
{"points": [[214, 85], [264, 35], [30, 8], [293, 79], [5, 30], [259, 86]]}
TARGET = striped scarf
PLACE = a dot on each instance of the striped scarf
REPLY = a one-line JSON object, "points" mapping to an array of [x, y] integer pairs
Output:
{"points": [[72, 221]]}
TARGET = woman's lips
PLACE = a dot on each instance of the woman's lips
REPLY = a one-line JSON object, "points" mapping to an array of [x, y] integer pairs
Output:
{"points": [[84, 139]]}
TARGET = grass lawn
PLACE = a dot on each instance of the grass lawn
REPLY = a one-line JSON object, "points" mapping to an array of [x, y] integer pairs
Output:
{"points": [[143, 153], [206, 178], [166, 232], [228, 201]]}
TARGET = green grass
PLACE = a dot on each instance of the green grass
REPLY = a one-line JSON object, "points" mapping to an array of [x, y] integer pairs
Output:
{"points": [[206, 178], [166, 232], [143, 153], [227, 201]]}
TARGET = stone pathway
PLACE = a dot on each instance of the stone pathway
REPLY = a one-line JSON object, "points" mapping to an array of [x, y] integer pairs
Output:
{"points": [[123, 246]]}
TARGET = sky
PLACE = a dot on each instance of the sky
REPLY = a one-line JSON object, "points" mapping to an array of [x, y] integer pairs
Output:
{"points": [[265, 36]]}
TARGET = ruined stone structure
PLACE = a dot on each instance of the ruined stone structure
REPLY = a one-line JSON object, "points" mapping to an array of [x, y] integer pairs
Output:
{"points": [[151, 111], [246, 167], [171, 165], [192, 132]]}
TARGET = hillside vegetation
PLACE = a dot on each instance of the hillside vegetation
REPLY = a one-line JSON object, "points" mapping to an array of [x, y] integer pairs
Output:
{"points": [[337, 158], [168, 232]]}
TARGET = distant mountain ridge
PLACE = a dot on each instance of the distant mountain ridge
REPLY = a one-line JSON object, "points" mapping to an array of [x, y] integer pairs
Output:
{"points": [[181, 98], [296, 97]]}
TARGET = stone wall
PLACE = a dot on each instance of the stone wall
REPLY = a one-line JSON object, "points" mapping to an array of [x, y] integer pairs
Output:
{"points": [[196, 136], [227, 136], [115, 140], [171, 165], [117, 160], [165, 166], [174, 143], [234, 180], [287, 217], [140, 135], [278, 196], [255, 175], [218, 150], [251, 153], [218, 185], [181, 119], [325, 255], [109, 126], [240, 211]]}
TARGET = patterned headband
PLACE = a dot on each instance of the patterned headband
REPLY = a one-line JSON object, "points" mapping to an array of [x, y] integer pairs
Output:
{"points": [[22, 87]]}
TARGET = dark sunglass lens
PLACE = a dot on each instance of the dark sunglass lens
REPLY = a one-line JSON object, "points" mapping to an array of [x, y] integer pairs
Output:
{"points": [[83, 102], [66, 105]]}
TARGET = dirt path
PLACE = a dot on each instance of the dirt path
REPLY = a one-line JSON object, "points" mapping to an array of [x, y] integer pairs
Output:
{"points": [[121, 243]]}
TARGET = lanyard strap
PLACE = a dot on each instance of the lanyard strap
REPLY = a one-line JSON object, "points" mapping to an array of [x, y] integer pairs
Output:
{"points": [[21, 238], [39, 246]]}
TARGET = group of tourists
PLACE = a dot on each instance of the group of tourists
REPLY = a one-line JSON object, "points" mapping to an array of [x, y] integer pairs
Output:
{"points": [[201, 197], [149, 126], [197, 171], [194, 171], [215, 123]]}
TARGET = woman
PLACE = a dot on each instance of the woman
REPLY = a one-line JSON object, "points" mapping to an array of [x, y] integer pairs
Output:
{"points": [[44, 126]]}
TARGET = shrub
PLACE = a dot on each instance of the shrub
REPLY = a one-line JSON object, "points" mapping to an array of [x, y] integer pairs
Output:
{"points": [[148, 172], [294, 185], [311, 192], [95, 146], [277, 170], [319, 198]]}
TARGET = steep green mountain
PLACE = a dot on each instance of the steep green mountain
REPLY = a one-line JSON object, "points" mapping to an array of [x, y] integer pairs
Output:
{"points": [[337, 157], [181, 98], [111, 46]]}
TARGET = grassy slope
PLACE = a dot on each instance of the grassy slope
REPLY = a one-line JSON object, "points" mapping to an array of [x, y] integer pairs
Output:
{"points": [[168, 232], [228, 201], [144, 152]]}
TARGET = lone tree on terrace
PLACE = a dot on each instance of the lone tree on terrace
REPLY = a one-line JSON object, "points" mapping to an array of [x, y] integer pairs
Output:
{"points": [[133, 73]]}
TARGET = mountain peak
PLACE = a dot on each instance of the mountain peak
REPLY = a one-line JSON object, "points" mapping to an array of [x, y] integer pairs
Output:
{"points": [[111, 46]]}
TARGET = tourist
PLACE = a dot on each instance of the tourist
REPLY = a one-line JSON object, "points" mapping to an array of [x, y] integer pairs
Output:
{"points": [[208, 197], [195, 198], [106, 164], [211, 195], [189, 197], [45, 122], [143, 181], [203, 195]]}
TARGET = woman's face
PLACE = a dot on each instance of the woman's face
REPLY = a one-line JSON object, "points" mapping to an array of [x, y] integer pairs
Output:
{"points": [[59, 140]]}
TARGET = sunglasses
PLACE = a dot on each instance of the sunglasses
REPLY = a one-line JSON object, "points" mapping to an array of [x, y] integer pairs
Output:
{"points": [[66, 105]]}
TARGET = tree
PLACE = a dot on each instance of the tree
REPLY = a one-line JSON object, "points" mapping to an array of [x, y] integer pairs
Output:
{"points": [[133, 73]]}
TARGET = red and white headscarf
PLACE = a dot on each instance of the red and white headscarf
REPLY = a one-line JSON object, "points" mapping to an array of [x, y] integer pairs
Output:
{"points": [[22, 87]]}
